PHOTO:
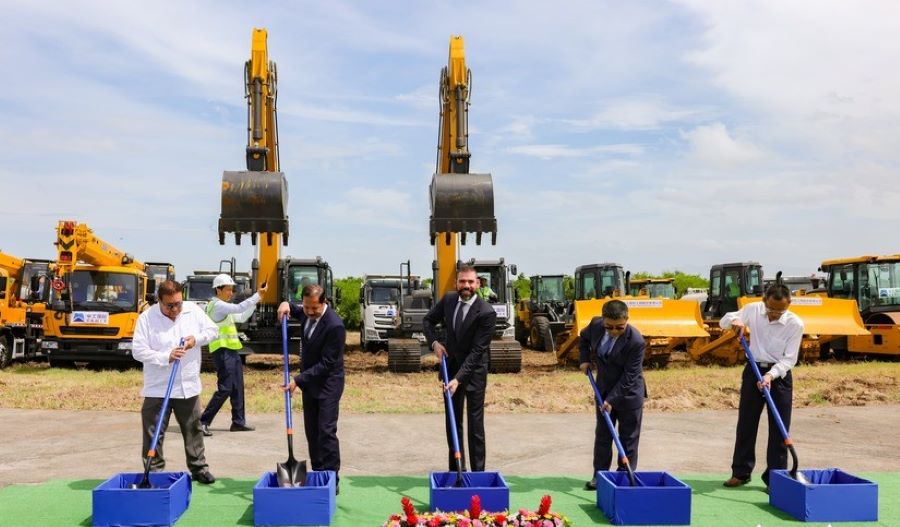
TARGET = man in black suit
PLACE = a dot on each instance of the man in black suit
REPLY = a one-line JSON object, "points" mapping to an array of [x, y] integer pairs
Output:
{"points": [[618, 349], [469, 323], [321, 378]]}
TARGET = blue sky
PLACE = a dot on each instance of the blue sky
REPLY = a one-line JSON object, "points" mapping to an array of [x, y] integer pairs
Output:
{"points": [[658, 135]]}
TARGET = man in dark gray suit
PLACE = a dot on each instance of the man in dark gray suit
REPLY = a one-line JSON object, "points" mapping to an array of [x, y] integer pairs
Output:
{"points": [[469, 323], [321, 377], [618, 349]]}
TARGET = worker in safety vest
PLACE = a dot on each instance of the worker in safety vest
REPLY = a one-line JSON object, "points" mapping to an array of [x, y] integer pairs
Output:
{"points": [[229, 368]]}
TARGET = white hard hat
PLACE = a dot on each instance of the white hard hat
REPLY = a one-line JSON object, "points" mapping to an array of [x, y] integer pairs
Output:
{"points": [[222, 279]]}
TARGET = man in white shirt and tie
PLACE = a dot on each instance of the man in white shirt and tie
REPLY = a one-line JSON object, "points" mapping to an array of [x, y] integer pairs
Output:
{"points": [[775, 336], [157, 335]]}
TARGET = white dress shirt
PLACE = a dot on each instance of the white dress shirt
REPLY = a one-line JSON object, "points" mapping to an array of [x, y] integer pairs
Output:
{"points": [[776, 342], [241, 312], [156, 335]]}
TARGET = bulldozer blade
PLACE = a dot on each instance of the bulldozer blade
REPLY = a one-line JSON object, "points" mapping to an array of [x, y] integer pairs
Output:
{"points": [[253, 202], [463, 203], [656, 317], [823, 316]]}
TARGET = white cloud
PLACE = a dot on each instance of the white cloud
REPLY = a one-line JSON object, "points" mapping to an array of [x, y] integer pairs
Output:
{"points": [[552, 151], [633, 113], [712, 146]]}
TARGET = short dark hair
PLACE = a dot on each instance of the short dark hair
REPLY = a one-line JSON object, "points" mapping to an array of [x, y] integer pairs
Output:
{"points": [[168, 288], [778, 292], [466, 269], [313, 291], [615, 310]]}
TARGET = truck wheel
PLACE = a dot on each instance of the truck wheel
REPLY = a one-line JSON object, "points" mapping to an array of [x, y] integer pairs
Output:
{"points": [[5, 351]]}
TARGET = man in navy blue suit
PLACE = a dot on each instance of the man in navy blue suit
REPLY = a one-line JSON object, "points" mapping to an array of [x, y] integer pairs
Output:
{"points": [[321, 378], [468, 323], [617, 349]]}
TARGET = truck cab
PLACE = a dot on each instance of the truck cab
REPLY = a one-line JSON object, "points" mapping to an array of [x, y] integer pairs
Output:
{"points": [[379, 303]]}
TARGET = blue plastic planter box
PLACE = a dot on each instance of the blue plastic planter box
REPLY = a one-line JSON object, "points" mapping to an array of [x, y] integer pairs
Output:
{"points": [[311, 504], [832, 496], [489, 486], [660, 499], [116, 503]]}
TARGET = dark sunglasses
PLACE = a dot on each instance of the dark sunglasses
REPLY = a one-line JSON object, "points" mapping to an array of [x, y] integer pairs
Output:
{"points": [[173, 305], [620, 327]]}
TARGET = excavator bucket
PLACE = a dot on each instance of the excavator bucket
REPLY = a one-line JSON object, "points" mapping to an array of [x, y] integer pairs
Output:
{"points": [[823, 316], [253, 202], [463, 203]]}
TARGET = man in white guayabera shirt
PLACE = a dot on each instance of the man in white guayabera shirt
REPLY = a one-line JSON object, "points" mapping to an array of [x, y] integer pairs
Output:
{"points": [[157, 335], [775, 335]]}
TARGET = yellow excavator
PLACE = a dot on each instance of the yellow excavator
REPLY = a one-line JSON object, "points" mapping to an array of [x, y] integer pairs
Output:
{"points": [[734, 285], [98, 293], [24, 292], [254, 202], [874, 283], [668, 325], [461, 202]]}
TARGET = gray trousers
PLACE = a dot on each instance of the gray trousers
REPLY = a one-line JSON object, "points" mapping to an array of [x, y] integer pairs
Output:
{"points": [[187, 413]]}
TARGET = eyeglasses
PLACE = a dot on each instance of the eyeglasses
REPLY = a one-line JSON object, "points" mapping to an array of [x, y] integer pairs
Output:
{"points": [[617, 327], [174, 305], [776, 311]]}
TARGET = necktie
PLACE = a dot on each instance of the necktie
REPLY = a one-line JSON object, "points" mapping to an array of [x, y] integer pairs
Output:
{"points": [[606, 346], [310, 324], [457, 322]]}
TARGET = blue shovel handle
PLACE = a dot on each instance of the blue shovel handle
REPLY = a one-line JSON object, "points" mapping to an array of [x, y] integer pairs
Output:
{"points": [[452, 415], [165, 405], [287, 375], [765, 390], [623, 457]]}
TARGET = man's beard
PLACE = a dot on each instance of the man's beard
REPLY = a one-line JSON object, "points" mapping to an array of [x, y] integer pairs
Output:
{"points": [[465, 293]]}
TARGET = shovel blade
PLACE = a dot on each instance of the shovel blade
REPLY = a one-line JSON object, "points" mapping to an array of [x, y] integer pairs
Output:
{"points": [[291, 473]]}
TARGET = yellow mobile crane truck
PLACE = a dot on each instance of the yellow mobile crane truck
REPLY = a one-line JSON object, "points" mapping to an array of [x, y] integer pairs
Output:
{"points": [[24, 292], [98, 293]]}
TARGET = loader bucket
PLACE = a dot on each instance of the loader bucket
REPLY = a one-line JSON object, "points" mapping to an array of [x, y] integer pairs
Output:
{"points": [[463, 203], [823, 316], [253, 202]]}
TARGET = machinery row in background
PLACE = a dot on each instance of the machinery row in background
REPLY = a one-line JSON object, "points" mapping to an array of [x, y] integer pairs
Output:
{"points": [[83, 305]]}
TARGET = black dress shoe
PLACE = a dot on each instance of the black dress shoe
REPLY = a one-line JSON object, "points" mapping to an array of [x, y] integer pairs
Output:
{"points": [[241, 428], [204, 477], [205, 430], [591, 485]]}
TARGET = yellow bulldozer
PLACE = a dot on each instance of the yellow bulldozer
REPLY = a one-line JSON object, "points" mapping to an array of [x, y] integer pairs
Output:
{"points": [[734, 285], [667, 325], [874, 283]]}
